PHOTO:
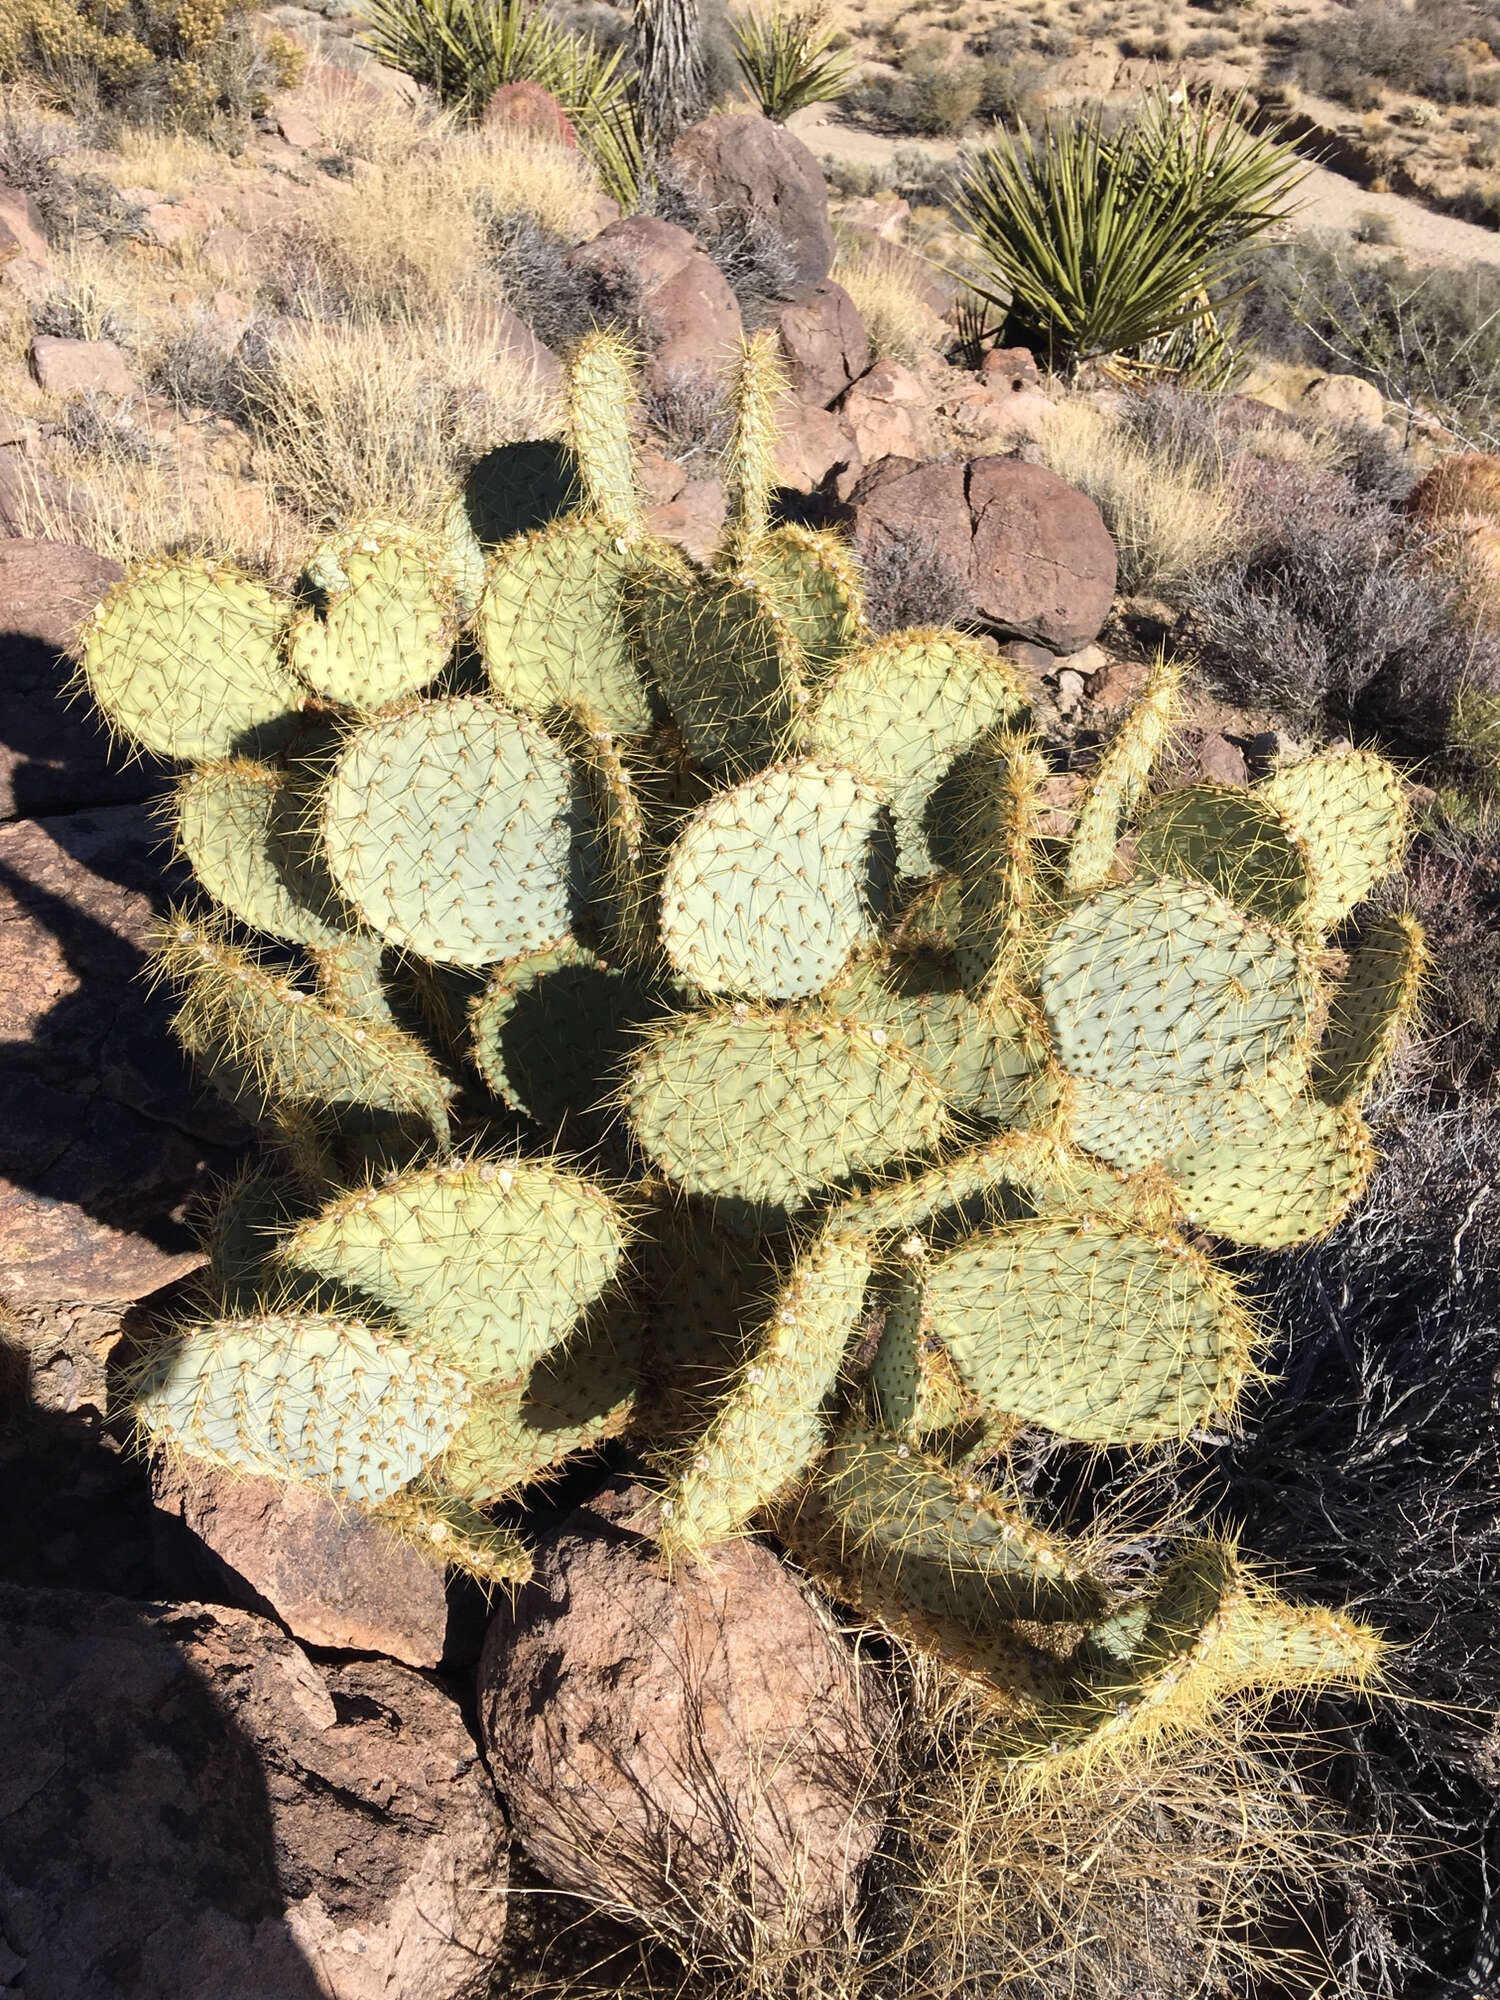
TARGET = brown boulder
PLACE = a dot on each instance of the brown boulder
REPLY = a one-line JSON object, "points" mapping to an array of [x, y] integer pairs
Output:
{"points": [[80, 367], [740, 164], [693, 518], [332, 1576], [54, 754], [905, 501], [815, 448], [105, 1138], [192, 1808], [526, 107], [1044, 563], [22, 231], [887, 411], [688, 313], [700, 1746], [823, 342], [1221, 762]]}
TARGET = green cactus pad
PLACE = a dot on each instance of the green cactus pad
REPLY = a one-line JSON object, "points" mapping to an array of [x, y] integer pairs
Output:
{"points": [[766, 1107], [184, 659], [386, 619], [550, 626], [351, 978], [900, 711], [600, 392], [730, 674], [454, 1535], [773, 1421], [1100, 1332], [1016, 1160], [1233, 840], [1119, 784], [809, 578], [326, 1401], [240, 825], [1350, 814], [518, 1432], [1269, 1178], [1132, 1129], [766, 888], [1372, 1006], [916, 1387], [492, 1262], [950, 1546], [249, 1215], [516, 487], [447, 826], [1007, 900], [1164, 986], [611, 857], [547, 1031], [269, 1044]]}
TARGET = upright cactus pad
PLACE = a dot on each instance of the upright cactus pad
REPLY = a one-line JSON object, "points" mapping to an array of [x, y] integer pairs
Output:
{"points": [[447, 825], [328, 1401], [702, 1037], [184, 658]]}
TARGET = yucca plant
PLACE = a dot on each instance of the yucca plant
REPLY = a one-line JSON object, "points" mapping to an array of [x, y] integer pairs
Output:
{"points": [[788, 61], [1114, 244], [466, 49]]}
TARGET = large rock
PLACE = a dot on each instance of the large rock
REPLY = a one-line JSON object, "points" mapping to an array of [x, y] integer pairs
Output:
{"points": [[80, 367], [1344, 399], [816, 452], [1044, 563], [699, 1747], [332, 1576], [191, 1808], [888, 413], [686, 308], [22, 231], [54, 754], [823, 342], [740, 164], [1035, 555], [104, 1136]]}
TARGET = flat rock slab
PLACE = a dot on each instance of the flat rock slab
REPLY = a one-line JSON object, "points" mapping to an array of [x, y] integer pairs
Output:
{"points": [[54, 754], [105, 1137], [330, 1575], [190, 1808]]}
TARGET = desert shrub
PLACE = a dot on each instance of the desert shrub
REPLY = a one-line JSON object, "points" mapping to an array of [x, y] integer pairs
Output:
{"points": [[688, 415], [758, 263], [82, 309], [199, 64], [197, 367], [1334, 615], [901, 324], [102, 426], [933, 99], [1359, 48], [1428, 338], [788, 60], [557, 302], [1374, 1467], [908, 581], [1105, 243], [1453, 888]]}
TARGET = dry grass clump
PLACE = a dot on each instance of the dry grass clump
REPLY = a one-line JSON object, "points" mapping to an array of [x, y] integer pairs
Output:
{"points": [[900, 323], [1171, 511]]}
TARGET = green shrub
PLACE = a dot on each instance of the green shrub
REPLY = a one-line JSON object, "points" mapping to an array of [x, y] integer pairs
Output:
{"points": [[1100, 243], [788, 60], [1355, 53], [934, 99]]}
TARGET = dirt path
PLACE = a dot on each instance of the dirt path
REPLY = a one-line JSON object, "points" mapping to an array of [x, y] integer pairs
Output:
{"points": [[1329, 200]]}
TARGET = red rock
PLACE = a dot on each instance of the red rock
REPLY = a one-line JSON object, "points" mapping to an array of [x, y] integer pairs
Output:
{"points": [[1117, 682], [1220, 761], [105, 1138], [1043, 560], [823, 342], [332, 1576], [22, 232], [884, 215], [1013, 369], [688, 311], [26, 276], [815, 447], [77, 367], [740, 164], [694, 519], [887, 412], [298, 129], [912, 501], [193, 1808], [653, 1736], [526, 107]]}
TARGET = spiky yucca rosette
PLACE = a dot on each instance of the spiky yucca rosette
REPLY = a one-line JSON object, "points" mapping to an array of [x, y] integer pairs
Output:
{"points": [[668, 1014]]}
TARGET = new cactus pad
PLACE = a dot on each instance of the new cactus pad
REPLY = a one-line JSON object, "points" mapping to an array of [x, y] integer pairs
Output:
{"points": [[670, 1022]]}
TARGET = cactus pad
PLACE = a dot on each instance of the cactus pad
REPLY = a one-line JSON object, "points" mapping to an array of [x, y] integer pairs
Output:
{"points": [[240, 824], [732, 679], [1272, 1176], [810, 580], [1372, 1005], [1165, 987], [547, 1030], [1131, 1129], [917, 1389], [1349, 812], [766, 1108], [386, 619], [900, 711], [453, 1534], [766, 888], [772, 1422], [1232, 840], [491, 1262], [1100, 1332], [550, 628], [329, 1401], [447, 826], [184, 659]]}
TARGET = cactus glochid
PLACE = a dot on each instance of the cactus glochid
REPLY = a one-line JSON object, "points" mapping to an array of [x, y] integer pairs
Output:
{"points": [[668, 1017]]}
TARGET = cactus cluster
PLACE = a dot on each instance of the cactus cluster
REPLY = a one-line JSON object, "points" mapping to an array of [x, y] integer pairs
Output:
{"points": [[671, 1009]]}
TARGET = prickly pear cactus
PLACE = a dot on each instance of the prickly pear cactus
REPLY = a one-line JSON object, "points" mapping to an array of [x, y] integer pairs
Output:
{"points": [[667, 1015]]}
